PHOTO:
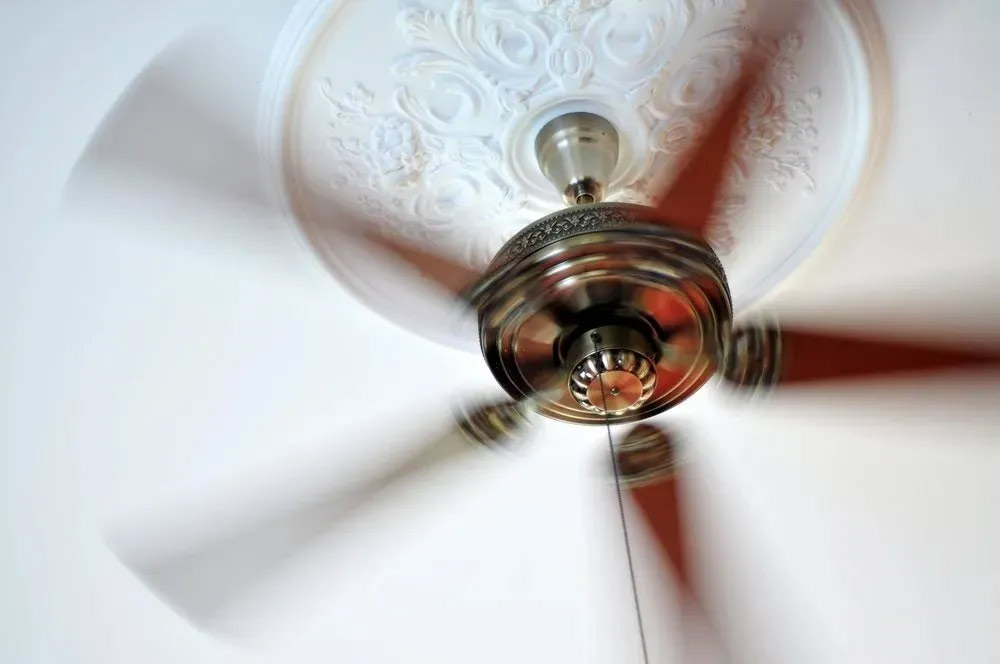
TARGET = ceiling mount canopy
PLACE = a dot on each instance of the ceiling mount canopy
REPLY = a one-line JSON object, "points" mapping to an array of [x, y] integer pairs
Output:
{"points": [[577, 152]]}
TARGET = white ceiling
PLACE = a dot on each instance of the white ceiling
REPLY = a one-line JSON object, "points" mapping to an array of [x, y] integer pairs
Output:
{"points": [[166, 351]]}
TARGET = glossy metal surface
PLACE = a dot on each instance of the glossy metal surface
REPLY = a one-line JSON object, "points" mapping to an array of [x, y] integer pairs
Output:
{"points": [[753, 357], [615, 371], [645, 455], [577, 153], [600, 266], [495, 425]]}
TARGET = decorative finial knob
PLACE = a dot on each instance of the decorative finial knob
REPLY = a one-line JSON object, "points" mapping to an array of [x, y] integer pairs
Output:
{"points": [[615, 372]]}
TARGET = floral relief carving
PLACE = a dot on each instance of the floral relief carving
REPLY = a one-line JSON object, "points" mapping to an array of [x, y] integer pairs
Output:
{"points": [[429, 162]]}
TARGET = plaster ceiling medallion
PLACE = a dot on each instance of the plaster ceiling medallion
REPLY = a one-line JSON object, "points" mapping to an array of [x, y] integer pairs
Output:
{"points": [[426, 124]]}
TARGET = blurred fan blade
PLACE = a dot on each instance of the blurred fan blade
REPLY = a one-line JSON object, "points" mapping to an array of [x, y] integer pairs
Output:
{"points": [[810, 356], [202, 570], [180, 139], [447, 274], [176, 158], [646, 466], [688, 201], [649, 471]]}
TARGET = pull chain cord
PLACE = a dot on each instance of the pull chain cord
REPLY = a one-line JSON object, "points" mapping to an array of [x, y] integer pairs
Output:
{"points": [[596, 338]]}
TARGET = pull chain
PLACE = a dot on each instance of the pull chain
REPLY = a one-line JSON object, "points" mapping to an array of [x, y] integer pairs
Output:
{"points": [[596, 338]]}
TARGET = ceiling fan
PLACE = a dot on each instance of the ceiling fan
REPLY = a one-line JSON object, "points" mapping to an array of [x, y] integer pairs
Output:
{"points": [[603, 313]]}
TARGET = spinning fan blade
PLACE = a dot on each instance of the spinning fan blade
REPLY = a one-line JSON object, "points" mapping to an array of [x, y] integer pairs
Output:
{"points": [[445, 273], [813, 356], [688, 201], [648, 468], [202, 570], [176, 157], [768, 355]]}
